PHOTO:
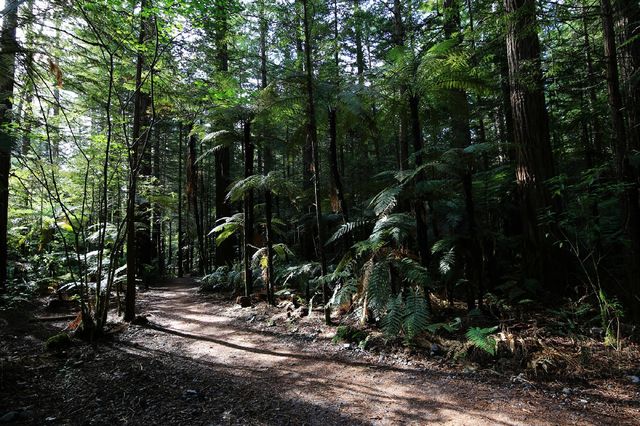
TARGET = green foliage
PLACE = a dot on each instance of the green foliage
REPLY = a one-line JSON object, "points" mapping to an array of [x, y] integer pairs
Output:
{"points": [[393, 320], [481, 338], [18, 294], [222, 278], [344, 293], [407, 315], [58, 342], [228, 227], [416, 318], [378, 286], [345, 333]]}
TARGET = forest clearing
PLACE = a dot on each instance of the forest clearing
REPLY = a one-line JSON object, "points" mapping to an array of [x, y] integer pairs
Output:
{"points": [[320, 212]]}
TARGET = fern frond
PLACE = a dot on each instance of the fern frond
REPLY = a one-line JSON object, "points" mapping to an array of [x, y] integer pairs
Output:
{"points": [[481, 338], [392, 228], [378, 286], [384, 202], [392, 321], [416, 319], [343, 293], [413, 272], [345, 229], [238, 189], [447, 261]]}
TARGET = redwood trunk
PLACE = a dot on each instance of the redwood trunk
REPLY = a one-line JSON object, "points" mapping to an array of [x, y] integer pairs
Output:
{"points": [[534, 160]]}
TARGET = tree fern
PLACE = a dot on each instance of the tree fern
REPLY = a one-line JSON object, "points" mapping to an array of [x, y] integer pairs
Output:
{"points": [[384, 202], [393, 228], [416, 318], [413, 272], [344, 292], [345, 229], [392, 321], [378, 286], [227, 227], [481, 338]]}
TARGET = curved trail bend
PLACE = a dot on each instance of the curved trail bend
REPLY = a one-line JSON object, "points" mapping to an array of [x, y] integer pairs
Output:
{"points": [[235, 373]]}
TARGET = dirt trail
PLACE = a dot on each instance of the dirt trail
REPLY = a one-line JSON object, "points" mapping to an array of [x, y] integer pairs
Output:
{"points": [[267, 377], [202, 360]]}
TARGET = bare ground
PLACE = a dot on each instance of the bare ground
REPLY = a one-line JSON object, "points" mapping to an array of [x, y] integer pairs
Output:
{"points": [[203, 360]]}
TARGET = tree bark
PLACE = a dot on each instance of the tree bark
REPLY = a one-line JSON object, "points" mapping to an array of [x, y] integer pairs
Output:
{"points": [[8, 47], [312, 137], [627, 174], [420, 205], [403, 138], [180, 236], [138, 142], [248, 210], [192, 197], [224, 252], [534, 159]]}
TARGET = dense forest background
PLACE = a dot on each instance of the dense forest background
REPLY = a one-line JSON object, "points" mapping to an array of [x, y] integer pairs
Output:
{"points": [[398, 159]]}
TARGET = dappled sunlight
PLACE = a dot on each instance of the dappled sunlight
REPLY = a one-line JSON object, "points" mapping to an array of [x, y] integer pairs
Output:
{"points": [[208, 333]]}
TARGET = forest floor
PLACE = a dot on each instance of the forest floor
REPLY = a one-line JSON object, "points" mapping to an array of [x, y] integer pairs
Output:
{"points": [[201, 359]]}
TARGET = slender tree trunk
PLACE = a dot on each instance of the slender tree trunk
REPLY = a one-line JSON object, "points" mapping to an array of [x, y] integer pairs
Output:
{"points": [[8, 48], [180, 236], [338, 202], [224, 252], [156, 235], [420, 205], [192, 196], [136, 151], [28, 84], [248, 209], [268, 159], [626, 172], [269, 236], [461, 136], [403, 138], [629, 17], [596, 147], [358, 39], [312, 137]]}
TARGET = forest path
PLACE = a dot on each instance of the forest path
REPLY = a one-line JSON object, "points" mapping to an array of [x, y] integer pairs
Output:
{"points": [[266, 376]]}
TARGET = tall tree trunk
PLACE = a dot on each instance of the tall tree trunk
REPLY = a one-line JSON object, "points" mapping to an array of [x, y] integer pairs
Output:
{"points": [[629, 17], [534, 162], [358, 39], [224, 252], [248, 209], [264, 32], [461, 136], [156, 235], [312, 137], [626, 172], [268, 158], [420, 205], [8, 48], [138, 142], [596, 147], [338, 203], [180, 236], [192, 196], [403, 138], [28, 84]]}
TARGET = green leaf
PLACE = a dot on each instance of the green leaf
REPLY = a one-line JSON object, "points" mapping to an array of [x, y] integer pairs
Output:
{"points": [[482, 339]]}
